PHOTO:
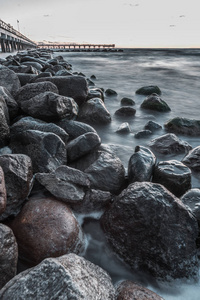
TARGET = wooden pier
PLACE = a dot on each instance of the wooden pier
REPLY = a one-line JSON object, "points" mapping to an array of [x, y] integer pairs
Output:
{"points": [[76, 46]]}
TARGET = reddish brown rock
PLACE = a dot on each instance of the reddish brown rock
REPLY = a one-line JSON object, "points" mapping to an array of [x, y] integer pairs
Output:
{"points": [[45, 228], [2, 192]]}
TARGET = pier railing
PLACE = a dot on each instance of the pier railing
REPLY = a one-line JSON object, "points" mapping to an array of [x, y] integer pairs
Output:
{"points": [[75, 46]]}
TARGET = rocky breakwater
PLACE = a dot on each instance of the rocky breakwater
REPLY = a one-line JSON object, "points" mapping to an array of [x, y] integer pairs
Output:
{"points": [[53, 166]]}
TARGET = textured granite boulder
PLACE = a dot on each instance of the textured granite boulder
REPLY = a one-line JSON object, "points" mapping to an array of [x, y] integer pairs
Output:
{"points": [[46, 150], [148, 90], [127, 101], [25, 78], [65, 277], [70, 86], [183, 126], [124, 128], [29, 123], [17, 170], [50, 106], [153, 231], [192, 159], [192, 200], [4, 123], [9, 80], [141, 165], [3, 194], [82, 145], [153, 126], [125, 111], [32, 89], [46, 227], [8, 255], [94, 111], [169, 143], [154, 102], [174, 175], [10, 101], [95, 93], [129, 290]]}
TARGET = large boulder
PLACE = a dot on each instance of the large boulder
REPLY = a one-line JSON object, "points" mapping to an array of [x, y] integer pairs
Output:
{"points": [[65, 277], [46, 150], [30, 90], [154, 102], [29, 123], [4, 123], [3, 194], [148, 90], [169, 143], [94, 111], [9, 80], [46, 227], [10, 101], [184, 126], [153, 231], [17, 170], [50, 106], [174, 175], [141, 165], [192, 200], [8, 255], [192, 159], [70, 86]]}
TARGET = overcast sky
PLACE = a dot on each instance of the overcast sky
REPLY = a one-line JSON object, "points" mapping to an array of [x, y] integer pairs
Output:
{"points": [[127, 23]]}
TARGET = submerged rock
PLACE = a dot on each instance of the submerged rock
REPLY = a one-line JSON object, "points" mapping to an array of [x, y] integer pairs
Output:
{"points": [[65, 277], [174, 175], [192, 159], [110, 92], [124, 128], [154, 102], [141, 165], [142, 133], [46, 227], [126, 111], [153, 126], [183, 126], [153, 231], [127, 101], [148, 90]]}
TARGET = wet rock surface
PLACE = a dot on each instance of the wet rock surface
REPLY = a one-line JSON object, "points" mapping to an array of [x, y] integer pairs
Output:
{"points": [[183, 126], [148, 90], [127, 101], [192, 199], [154, 102], [124, 128], [153, 126], [125, 111], [192, 159], [4, 123], [9, 80], [10, 101]]}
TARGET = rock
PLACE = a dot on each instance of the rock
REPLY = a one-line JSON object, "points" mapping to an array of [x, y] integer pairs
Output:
{"points": [[75, 128], [90, 82], [3, 195], [94, 111], [154, 102], [125, 111], [23, 69], [70, 86], [110, 92], [32, 89], [148, 90], [46, 227], [142, 134], [124, 128], [95, 93], [29, 123], [8, 255], [4, 123], [25, 78], [63, 73], [129, 290], [29, 58], [65, 183], [50, 106], [141, 165], [192, 159], [127, 101], [10, 101], [152, 126], [18, 175], [169, 143], [41, 75], [153, 231], [174, 175], [191, 199], [34, 64], [183, 126], [5, 150], [46, 150], [93, 77], [66, 277], [9, 80]]}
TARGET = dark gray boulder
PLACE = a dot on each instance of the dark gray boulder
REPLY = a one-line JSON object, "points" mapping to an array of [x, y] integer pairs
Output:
{"points": [[153, 231], [82, 145], [18, 175], [191, 199], [169, 143], [10, 101], [23, 69], [65, 277], [46, 150], [124, 128], [29, 123], [8, 255], [4, 123], [63, 73], [183, 126], [192, 159], [148, 90], [95, 93], [32, 89], [50, 106], [94, 111], [154, 102], [25, 78], [153, 126], [142, 134], [141, 165], [3, 194], [110, 92], [70, 86], [9, 80], [30, 58], [125, 111], [174, 175], [46, 227], [34, 64], [127, 101]]}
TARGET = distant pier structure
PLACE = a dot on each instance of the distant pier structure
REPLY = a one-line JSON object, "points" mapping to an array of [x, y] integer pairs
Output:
{"points": [[12, 40], [76, 47]]}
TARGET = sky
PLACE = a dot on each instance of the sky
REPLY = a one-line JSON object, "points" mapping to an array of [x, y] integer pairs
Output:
{"points": [[125, 23]]}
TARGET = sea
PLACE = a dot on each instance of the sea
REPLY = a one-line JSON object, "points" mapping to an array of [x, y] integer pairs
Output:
{"points": [[177, 73]]}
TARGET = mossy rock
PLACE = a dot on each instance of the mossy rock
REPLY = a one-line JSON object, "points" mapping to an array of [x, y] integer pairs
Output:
{"points": [[148, 90]]}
